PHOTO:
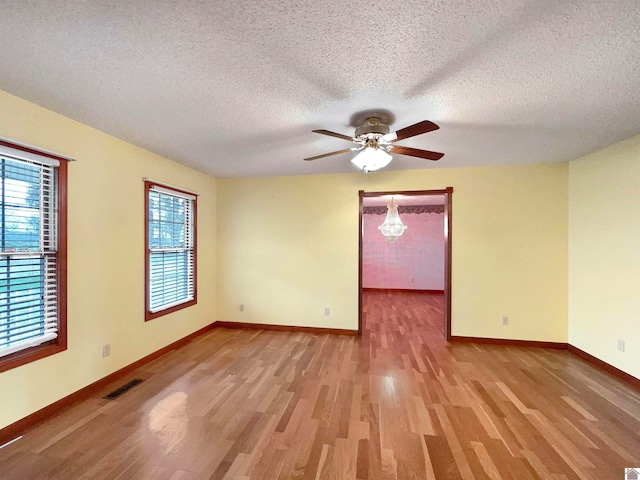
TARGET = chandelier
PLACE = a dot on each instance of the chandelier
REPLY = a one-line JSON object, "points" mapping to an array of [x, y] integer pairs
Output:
{"points": [[392, 226]]}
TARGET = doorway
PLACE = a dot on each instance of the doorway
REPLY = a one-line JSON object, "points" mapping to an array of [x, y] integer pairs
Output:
{"points": [[373, 200]]}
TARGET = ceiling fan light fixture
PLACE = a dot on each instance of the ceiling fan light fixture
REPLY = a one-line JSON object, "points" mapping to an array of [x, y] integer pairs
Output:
{"points": [[371, 159], [392, 227]]}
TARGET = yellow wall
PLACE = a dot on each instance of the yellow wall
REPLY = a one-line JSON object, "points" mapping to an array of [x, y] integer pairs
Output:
{"points": [[288, 248], [106, 259], [604, 254]]}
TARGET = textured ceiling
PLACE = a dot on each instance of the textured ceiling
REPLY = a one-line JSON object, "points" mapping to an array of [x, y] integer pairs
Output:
{"points": [[234, 88]]}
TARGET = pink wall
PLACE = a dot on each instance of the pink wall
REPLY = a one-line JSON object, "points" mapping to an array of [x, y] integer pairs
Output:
{"points": [[414, 261]]}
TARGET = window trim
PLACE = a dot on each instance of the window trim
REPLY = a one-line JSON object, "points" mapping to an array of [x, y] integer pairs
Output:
{"points": [[58, 344], [148, 315]]}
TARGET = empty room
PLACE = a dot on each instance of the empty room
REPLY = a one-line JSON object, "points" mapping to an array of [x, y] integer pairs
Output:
{"points": [[319, 240]]}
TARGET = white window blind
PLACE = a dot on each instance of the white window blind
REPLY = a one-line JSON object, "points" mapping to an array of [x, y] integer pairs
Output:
{"points": [[171, 259], [28, 251]]}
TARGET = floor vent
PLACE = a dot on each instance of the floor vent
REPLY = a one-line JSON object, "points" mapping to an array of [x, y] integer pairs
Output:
{"points": [[119, 391]]}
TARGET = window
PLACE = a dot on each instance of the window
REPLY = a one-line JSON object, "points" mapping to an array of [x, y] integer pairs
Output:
{"points": [[170, 239], [33, 254]]}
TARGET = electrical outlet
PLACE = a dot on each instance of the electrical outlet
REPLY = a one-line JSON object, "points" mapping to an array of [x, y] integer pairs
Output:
{"points": [[106, 350], [505, 320], [621, 345], [327, 311], [242, 307]]}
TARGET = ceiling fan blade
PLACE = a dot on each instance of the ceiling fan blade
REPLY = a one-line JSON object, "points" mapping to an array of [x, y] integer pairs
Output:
{"points": [[411, 131], [415, 152], [328, 154], [334, 134]]}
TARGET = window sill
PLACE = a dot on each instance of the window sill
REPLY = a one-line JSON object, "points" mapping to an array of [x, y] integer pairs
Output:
{"points": [[150, 316], [29, 355]]}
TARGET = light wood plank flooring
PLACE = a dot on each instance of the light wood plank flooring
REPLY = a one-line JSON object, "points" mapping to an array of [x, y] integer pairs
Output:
{"points": [[398, 403]]}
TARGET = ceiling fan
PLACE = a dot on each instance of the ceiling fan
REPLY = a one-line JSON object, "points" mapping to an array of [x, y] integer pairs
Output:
{"points": [[376, 142]]}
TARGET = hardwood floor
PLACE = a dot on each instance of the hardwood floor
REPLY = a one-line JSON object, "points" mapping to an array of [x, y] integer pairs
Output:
{"points": [[398, 403]]}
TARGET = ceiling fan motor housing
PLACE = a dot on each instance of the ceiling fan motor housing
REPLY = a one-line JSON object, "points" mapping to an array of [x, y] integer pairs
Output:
{"points": [[372, 125]]}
